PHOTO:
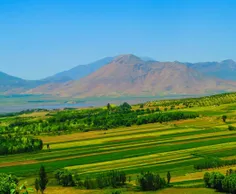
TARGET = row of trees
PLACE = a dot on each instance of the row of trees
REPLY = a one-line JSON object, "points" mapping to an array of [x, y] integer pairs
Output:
{"points": [[112, 179], [147, 181], [84, 120], [12, 144], [218, 99], [220, 182], [213, 163]]}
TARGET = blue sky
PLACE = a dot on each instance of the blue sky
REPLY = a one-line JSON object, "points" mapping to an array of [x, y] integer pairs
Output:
{"points": [[40, 38]]}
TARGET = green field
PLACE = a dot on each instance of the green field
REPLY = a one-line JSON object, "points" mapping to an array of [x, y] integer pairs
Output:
{"points": [[160, 147]]}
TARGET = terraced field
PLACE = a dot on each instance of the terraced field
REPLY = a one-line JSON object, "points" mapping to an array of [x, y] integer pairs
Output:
{"points": [[174, 146]]}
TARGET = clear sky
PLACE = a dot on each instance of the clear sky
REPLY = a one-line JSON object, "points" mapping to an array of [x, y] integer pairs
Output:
{"points": [[41, 37]]}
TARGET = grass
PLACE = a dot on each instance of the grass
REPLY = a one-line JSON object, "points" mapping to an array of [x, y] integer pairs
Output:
{"points": [[60, 190], [174, 146]]}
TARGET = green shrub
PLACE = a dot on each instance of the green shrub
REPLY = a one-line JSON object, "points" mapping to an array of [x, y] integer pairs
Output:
{"points": [[220, 182], [64, 178], [151, 182], [231, 128], [229, 183], [8, 183], [206, 179]]}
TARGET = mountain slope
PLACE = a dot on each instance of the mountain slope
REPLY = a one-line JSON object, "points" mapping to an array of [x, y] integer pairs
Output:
{"points": [[224, 70], [79, 71], [14, 85], [130, 75], [10, 83]]}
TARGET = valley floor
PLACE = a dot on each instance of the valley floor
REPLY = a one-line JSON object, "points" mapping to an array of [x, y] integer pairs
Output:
{"points": [[174, 146]]}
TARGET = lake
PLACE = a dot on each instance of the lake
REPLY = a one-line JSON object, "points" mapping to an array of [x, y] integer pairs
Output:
{"points": [[18, 108]]}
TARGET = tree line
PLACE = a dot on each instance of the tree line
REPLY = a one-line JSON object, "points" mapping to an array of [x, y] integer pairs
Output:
{"points": [[220, 182], [146, 181], [93, 119], [216, 100], [12, 144], [213, 163]]}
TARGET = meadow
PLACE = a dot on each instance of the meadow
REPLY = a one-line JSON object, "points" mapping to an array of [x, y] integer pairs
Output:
{"points": [[174, 146]]}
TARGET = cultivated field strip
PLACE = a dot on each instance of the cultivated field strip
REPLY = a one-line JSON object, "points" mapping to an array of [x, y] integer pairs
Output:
{"points": [[173, 146]]}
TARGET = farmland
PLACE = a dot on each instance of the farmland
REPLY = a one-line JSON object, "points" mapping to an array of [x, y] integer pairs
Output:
{"points": [[175, 146]]}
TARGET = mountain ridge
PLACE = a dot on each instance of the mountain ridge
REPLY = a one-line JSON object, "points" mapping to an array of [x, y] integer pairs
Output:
{"points": [[225, 69], [129, 75]]}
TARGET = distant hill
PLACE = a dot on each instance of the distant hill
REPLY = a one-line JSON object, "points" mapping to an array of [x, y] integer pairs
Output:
{"points": [[11, 84], [14, 85], [129, 75], [79, 71], [224, 70]]}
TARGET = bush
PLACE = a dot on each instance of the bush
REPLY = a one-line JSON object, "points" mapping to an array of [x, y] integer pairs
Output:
{"points": [[231, 128], [64, 178], [151, 182], [215, 181], [112, 179], [206, 179], [229, 183], [8, 183], [220, 182]]}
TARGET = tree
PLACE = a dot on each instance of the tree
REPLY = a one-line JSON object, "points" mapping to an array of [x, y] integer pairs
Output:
{"points": [[125, 107], [36, 185], [64, 177], [206, 179], [8, 184], [168, 177], [224, 117], [108, 107], [229, 183], [216, 179], [151, 182], [43, 180], [48, 146]]}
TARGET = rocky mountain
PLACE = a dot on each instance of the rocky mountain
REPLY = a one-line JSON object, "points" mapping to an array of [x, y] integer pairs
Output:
{"points": [[129, 75], [225, 69]]}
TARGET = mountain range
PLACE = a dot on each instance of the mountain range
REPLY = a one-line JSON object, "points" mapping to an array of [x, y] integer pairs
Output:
{"points": [[129, 75]]}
